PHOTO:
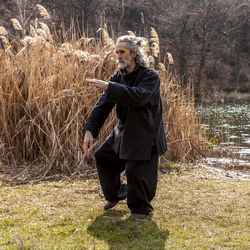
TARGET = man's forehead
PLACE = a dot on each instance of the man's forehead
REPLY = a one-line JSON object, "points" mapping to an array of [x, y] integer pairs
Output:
{"points": [[121, 46]]}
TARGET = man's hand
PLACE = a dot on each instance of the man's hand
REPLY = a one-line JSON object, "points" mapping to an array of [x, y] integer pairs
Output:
{"points": [[88, 142], [98, 83]]}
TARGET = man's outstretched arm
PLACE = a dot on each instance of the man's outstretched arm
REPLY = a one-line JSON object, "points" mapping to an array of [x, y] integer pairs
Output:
{"points": [[130, 96]]}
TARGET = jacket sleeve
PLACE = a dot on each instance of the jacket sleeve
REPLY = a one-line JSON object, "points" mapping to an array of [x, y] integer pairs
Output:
{"points": [[134, 96], [99, 113]]}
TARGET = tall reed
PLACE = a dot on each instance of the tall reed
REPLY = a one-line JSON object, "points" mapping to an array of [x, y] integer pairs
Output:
{"points": [[45, 101]]}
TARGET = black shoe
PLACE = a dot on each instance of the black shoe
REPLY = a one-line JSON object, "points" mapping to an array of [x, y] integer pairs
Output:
{"points": [[138, 216], [110, 204]]}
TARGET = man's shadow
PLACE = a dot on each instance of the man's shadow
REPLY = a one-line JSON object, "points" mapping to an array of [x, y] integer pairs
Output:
{"points": [[120, 231]]}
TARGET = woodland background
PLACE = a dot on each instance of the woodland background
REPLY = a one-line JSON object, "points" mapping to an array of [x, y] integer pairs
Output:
{"points": [[208, 39]]}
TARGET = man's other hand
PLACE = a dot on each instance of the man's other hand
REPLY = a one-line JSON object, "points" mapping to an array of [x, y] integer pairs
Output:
{"points": [[88, 142], [98, 83]]}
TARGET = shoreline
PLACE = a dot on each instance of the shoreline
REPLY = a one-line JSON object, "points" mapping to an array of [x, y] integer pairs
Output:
{"points": [[224, 97], [197, 169]]}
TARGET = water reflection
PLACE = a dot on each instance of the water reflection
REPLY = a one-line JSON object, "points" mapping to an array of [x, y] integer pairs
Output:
{"points": [[229, 125]]}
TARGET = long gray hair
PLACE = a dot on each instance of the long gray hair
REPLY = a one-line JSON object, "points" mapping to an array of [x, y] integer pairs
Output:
{"points": [[137, 45]]}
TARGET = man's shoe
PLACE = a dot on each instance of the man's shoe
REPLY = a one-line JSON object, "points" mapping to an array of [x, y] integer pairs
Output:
{"points": [[138, 216], [110, 204]]}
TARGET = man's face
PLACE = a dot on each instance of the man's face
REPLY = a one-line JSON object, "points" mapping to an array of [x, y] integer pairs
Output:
{"points": [[125, 58]]}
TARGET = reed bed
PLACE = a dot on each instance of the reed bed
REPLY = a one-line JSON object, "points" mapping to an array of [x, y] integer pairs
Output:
{"points": [[45, 101]]}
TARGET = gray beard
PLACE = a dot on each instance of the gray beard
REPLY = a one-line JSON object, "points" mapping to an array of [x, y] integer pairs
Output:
{"points": [[123, 65]]}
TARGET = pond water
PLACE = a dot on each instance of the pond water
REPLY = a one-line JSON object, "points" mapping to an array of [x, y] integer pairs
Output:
{"points": [[228, 129]]}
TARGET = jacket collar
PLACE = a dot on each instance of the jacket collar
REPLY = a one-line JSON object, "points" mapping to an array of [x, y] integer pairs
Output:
{"points": [[130, 74]]}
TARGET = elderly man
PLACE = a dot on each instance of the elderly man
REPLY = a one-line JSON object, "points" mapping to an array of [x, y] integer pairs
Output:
{"points": [[139, 137]]}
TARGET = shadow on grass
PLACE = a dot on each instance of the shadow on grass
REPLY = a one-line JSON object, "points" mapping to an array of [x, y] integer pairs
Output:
{"points": [[120, 231]]}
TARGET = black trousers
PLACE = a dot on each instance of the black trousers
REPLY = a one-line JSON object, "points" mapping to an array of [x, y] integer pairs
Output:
{"points": [[141, 178]]}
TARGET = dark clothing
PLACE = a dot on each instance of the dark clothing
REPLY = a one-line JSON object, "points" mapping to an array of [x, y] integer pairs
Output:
{"points": [[139, 110], [137, 140], [141, 178]]}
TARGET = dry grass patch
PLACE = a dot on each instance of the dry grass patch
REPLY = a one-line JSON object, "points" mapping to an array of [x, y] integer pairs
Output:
{"points": [[191, 212]]}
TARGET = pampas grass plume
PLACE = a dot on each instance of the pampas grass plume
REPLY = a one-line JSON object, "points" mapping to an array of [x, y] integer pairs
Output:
{"points": [[66, 49], [3, 31], [16, 24], [42, 33], [162, 67], [170, 58], [45, 27], [155, 49], [4, 39], [43, 12], [81, 55], [27, 40], [151, 61], [154, 36], [94, 58], [154, 40], [105, 35], [32, 31], [131, 33]]}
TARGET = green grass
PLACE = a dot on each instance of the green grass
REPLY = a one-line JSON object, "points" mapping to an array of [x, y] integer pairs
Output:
{"points": [[190, 212]]}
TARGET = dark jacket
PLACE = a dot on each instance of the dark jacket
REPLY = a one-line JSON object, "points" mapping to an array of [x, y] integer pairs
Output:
{"points": [[139, 111]]}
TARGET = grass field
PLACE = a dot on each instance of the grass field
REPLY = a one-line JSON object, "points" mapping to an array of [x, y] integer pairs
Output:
{"points": [[190, 212]]}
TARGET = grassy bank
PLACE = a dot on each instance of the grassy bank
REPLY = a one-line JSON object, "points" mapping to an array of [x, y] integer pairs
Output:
{"points": [[191, 212]]}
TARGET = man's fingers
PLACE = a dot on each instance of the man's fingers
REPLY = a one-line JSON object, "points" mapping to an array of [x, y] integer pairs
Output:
{"points": [[91, 80], [91, 143], [98, 83], [85, 148], [87, 145], [88, 142], [94, 81]]}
